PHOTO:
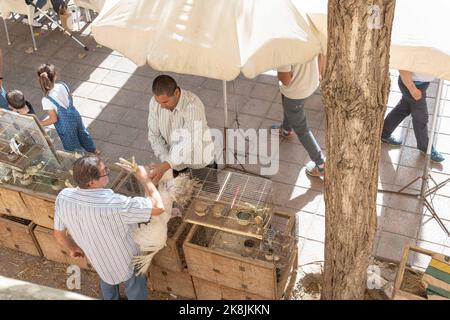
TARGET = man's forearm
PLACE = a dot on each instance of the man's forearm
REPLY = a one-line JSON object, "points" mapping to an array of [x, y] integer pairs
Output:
{"points": [[65, 241], [153, 194], [406, 77]]}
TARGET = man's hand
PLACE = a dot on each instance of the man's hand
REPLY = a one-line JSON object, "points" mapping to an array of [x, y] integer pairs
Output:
{"points": [[141, 174], [76, 253], [416, 94], [158, 171]]}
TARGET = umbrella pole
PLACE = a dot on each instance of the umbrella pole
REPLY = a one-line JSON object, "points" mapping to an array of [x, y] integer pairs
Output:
{"points": [[225, 120]]}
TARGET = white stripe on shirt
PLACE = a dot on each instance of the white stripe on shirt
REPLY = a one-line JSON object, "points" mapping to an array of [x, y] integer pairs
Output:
{"points": [[101, 223]]}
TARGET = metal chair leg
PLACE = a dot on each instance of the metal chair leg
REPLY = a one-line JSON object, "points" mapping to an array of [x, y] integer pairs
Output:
{"points": [[7, 32]]}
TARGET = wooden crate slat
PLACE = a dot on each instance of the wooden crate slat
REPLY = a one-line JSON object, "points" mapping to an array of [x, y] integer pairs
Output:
{"points": [[42, 211], [177, 283], [13, 204], [53, 251], [17, 236]]}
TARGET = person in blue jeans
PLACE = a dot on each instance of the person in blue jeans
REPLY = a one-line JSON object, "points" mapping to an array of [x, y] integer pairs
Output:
{"points": [[3, 102], [58, 103], [413, 87]]}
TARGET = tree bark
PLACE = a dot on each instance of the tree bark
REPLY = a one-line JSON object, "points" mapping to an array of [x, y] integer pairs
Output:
{"points": [[355, 92]]}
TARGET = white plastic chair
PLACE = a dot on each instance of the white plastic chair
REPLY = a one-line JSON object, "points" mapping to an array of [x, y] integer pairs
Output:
{"points": [[19, 6], [94, 5]]}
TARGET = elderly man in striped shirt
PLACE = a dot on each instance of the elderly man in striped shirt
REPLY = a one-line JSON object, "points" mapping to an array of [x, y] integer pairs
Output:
{"points": [[177, 129], [100, 223]]}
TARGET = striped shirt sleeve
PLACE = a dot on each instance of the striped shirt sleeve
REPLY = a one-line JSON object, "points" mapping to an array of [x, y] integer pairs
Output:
{"points": [[136, 210], [58, 224], [182, 151], [158, 144]]}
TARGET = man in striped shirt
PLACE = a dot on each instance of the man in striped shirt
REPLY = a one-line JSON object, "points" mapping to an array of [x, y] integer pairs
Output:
{"points": [[177, 129], [101, 222]]}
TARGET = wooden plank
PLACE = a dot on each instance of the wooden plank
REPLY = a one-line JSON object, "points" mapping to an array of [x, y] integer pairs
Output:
{"points": [[207, 290], [42, 211], [235, 272], [13, 204], [16, 234], [177, 283], [403, 295], [53, 251]]}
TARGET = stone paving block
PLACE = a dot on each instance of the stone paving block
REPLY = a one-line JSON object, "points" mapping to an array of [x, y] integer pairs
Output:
{"points": [[264, 92], [311, 251], [270, 79], [110, 61], [128, 99], [85, 89], [91, 109], [401, 222], [125, 65], [390, 155], [405, 175], [103, 93], [275, 112], [135, 118], [241, 86], [100, 130], [443, 143], [405, 203], [293, 153], [208, 97], [391, 246], [412, 157], [116, 78], [139, 83], [314, 118], [112, 113], [256, 107], [97, 75], [387, 173], [441, 205], [431, 231], [213, 84], [311, 226], [123, 135], [141, 142]]}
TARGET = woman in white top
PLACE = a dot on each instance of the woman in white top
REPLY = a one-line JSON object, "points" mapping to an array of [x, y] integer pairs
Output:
{"points": [[58, 103]]}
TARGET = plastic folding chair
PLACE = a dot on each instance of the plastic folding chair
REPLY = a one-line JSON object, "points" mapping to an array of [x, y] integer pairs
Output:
{"points": [[19, 6]]}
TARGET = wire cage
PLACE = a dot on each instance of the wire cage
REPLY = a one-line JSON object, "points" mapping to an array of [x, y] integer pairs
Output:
{"points": [[231, 201], [27, 156]]}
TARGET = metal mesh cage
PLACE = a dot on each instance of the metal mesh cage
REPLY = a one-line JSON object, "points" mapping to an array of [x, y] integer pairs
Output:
{"points": [[231, 201]]}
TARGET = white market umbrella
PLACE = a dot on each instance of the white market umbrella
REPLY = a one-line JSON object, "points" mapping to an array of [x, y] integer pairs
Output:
{"points": [[420, 41], [211, 38]]}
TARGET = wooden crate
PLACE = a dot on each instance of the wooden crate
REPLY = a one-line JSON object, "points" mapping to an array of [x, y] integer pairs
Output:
{"points": [[177, 283], [42, 210], [51, 250], [171, 257], [207, 290], [232, 270], [12, 203], [16, 233]]}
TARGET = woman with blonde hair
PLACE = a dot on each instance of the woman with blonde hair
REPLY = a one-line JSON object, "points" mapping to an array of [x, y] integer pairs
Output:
{"points": [[58, 103]]}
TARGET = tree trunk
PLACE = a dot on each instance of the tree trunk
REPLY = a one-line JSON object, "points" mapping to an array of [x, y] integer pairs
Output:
{"points": [[355, 91]]}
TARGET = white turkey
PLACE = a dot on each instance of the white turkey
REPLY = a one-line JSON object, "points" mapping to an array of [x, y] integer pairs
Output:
{"points": [[152, 237]]}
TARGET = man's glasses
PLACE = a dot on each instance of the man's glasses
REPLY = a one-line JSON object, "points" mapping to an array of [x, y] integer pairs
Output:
{"points": [[107, 171]]}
